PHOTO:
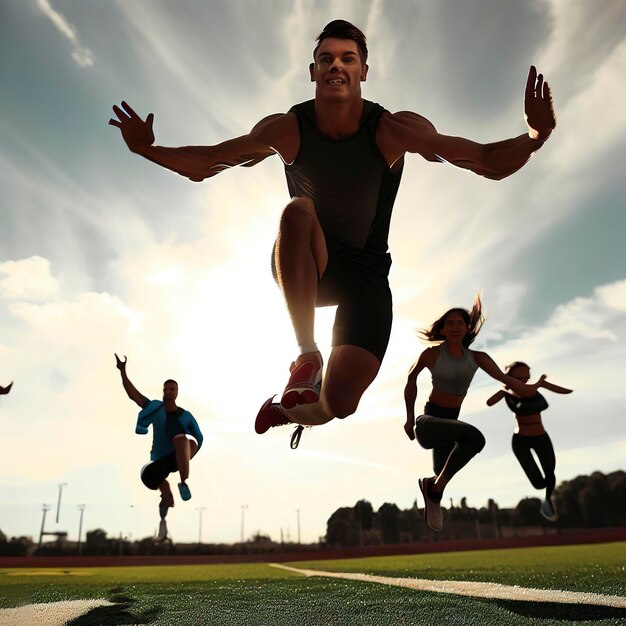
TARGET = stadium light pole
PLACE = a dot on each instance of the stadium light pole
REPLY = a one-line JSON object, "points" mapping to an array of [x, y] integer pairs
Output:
{"points": [[81, 508], [243, 518], [46, 508], [200, 509], [61, 485], [298, 513]]}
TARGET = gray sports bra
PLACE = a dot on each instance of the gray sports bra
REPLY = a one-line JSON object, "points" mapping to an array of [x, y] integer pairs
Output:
{"points": [[453, 376]]}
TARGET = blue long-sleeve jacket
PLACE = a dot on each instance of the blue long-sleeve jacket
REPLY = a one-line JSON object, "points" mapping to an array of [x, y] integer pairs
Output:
{"points": [[154, 413]]}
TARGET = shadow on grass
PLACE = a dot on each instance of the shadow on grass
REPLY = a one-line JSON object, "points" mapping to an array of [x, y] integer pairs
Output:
{"points": [[117, 614], [561, 611]]}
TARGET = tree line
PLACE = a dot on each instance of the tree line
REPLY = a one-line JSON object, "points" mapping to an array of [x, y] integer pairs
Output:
{"points": [[594, 501]]}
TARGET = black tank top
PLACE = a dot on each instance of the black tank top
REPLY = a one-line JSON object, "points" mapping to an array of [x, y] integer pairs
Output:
{"points": [[526, 406], [348, 180]]}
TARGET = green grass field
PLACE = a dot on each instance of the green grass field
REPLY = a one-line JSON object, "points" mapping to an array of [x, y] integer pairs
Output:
{"points": [[257, 594]]}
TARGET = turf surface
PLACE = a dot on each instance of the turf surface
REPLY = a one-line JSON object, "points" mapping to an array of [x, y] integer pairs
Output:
{"points": [[256, 594]]}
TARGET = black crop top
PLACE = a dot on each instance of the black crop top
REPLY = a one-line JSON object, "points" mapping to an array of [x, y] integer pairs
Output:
{"points": [[526, 406]]}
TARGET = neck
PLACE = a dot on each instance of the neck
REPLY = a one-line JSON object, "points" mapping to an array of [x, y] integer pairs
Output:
{"points": [[170, 405], [455, 348], [338, 119]]}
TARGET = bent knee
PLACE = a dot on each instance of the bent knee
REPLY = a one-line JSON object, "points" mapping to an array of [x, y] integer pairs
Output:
{"points": [[298, 211], [341, 407], [477, 440], [480, 441]]}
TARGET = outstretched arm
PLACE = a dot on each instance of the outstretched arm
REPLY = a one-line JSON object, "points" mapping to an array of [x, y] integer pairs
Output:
{"points": [[546, 385], [497, 396], [5, 390], [426, 359], [130, 389], [408, 132], [268, 137], [488, 365]]}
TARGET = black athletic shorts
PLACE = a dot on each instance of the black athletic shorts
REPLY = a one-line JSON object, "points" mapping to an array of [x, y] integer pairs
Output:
{"points": [[357, 282], [153, 474]]}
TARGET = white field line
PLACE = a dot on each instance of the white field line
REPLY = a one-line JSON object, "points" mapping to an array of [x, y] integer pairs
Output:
{"points": [[49, 613], [477, 590]]}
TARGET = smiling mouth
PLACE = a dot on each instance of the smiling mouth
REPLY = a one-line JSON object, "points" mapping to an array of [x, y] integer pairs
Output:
{"points": [[336, 81]]}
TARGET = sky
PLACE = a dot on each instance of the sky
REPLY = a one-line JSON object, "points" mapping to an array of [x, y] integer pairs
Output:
{"points": [[103, 252]]}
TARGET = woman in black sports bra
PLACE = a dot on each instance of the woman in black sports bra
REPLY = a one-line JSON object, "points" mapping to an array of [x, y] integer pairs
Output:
{"points": [[530, 434], [452, 364]]}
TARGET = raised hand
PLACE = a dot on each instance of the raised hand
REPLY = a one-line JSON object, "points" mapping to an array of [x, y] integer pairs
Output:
{"points": [[5, 390], [538, 106], [121, 365], [136, 132]]}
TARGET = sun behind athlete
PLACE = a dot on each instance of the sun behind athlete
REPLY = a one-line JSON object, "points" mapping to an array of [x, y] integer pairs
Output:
{"points": [[343, 158]]}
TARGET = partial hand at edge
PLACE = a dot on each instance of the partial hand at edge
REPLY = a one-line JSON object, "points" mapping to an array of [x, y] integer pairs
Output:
{"points": [[121, 365], [538, 106]]}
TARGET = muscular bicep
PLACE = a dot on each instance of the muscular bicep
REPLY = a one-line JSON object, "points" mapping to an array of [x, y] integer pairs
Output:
{"points": [[410, 132], [275, 134]]}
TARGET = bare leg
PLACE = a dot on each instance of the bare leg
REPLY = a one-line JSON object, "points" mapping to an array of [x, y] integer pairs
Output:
{"points": [[167, 498], [185, 449], [349, 373], [300, 258]]}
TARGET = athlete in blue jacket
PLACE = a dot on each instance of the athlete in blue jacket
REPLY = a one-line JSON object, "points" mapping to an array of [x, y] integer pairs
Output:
{"points": [[176, 438]]}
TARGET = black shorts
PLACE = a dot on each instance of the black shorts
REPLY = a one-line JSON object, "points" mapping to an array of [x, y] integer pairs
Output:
{"points": [[153, 474], [357, 282]]}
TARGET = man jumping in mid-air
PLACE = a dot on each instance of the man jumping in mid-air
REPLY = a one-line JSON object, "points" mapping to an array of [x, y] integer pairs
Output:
{"points": [[343, 159], [176, 438]]}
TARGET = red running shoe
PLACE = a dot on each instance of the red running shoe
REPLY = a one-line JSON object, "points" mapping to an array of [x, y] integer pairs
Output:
{"points": [[305, 381], [269, 416]]}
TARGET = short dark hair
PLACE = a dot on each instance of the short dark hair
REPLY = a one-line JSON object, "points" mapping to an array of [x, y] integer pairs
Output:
{"points": [[515, 364], [169, 380], [340, 29], [473, 319]]}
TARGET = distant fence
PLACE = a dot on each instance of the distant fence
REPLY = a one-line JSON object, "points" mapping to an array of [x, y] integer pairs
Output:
{"points": [[559, 538]]}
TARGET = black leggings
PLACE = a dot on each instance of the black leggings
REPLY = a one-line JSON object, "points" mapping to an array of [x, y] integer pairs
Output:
{"points": [[454, 443], [541, 444]]}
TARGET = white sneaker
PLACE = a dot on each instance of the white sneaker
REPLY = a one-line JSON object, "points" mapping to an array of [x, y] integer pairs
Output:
{"points": [[548, 511], [162, 535], [432, 509]]}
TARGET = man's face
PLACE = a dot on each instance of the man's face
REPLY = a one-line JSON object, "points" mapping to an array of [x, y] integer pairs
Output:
{"points": [[170, 391], [338, 70]]}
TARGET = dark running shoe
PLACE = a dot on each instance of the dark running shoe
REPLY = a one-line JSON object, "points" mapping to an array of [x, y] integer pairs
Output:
{"points": [[304, 382], [548, 511], [269, 416], [432, 509], [184, 491]]}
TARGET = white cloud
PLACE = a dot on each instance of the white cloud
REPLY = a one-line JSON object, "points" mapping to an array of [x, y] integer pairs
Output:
{"points": [[27, 279], [81, 54]]}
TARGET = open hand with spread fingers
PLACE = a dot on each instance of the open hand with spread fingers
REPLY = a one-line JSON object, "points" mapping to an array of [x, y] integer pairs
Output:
{"points": [[137, 133], [538, 106]]}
